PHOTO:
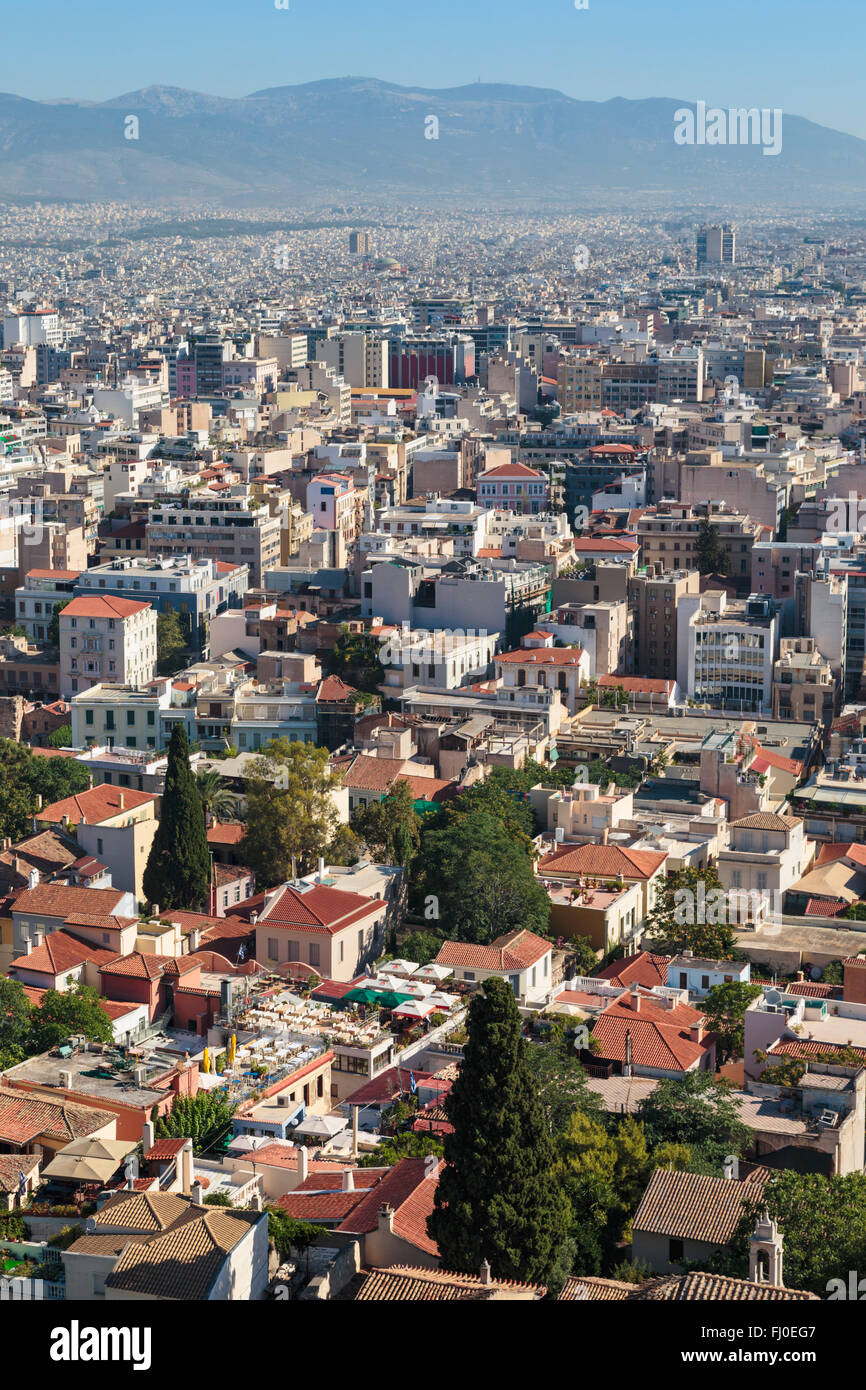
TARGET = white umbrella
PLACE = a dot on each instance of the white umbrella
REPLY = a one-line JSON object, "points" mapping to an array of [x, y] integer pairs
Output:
{"points": [[402, 967], [444, 1001], [433, 972], [415, 1008], [321, 1126]]}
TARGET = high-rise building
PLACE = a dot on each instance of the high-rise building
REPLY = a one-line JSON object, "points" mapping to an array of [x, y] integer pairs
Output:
{"points": [[359, 243], [716, 245]]}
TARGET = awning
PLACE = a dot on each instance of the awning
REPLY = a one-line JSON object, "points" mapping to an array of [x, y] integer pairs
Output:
{"points": [[89, 1160]]}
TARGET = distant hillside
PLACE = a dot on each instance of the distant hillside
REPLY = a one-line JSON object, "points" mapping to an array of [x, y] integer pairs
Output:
{"points": [[357, 136]]}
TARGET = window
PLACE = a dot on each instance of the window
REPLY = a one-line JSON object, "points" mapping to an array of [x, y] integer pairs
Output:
{"points": [[273, 948], [675, 1251], [314, 953], [705, 982]]}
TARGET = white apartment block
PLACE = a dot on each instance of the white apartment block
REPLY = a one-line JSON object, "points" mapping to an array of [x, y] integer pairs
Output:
{"points": [[106, 639]]}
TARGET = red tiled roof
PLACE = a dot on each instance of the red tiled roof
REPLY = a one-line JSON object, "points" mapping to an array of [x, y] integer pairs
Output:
{"points": [[515, 951], [643, 969], [319, 908], [99, 804], [332, 688], [603, 861], [60, 951], [225, 833], [60, 900], [102, 606], [542, 656]]}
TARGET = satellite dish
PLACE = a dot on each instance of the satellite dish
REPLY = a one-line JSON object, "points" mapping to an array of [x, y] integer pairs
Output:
{"points": [[816, 972], [773, 996]]}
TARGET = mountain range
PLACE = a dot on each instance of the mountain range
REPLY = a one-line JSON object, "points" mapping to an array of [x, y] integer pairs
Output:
{"points": [[370, 140]]}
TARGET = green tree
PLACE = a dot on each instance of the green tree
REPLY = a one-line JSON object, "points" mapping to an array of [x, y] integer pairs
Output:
{"points": [[26, 776], [355, 658], [481, 877], [290, 811], [171, 642], [63, 1014], [178, 869], [559, 1080], [422, 946], [14, 1022], [823, 1222], [583, 953], [725, 1009], [217, 797], [497, 1197], [205, 1118], [690, 914], [61, 737], [404, 1145], [697, 1112], [710, 554], [289, 1236], [390, 828], [53, 630], [343, 847]]}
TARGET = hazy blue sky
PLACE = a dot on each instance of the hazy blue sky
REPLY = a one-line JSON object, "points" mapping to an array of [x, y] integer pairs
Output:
{"points": [[795, 54]]}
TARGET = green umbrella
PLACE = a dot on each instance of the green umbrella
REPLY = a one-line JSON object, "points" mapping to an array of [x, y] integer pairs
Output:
{"points": [[390, 999], [362, 996]]}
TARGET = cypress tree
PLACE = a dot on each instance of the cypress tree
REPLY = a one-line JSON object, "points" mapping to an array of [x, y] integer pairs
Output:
{"points": [[498, 1197], [178, 868]]}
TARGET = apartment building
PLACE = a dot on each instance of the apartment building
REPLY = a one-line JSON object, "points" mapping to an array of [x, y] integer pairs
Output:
{"points": [[655, 599], [227, 526], [804, 687], [106, 639], [727, 650], [668, 535]]}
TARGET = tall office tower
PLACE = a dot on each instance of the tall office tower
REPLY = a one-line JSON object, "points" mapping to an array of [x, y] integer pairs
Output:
{"points": [[359, 243], [716, 245]]}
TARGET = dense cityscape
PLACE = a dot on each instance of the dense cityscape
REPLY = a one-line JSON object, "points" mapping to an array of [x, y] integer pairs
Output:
{"points": [[433, 754]]}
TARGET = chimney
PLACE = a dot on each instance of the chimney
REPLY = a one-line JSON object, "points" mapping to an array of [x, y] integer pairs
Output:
{"points": [[348, 1180], [635, 998], [193, 938], [321, 869], [628, 1070], [354, 1131], [155, 909], [696, 1033], [196, 1194], [303, 1164], [185, 1170], [33, 878], [120, 801], [386, 1219], [147, 1135], [485, 1274]]}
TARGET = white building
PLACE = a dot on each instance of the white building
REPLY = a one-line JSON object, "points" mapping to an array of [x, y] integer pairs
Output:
{"points": [[727, 657], [106, 639]]}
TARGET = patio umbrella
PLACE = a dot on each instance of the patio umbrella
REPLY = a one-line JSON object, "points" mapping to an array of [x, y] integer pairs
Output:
{"points": [[321, 1126], [89, 1160], [390, 999], [362, 996], [416, 1008], [401, 967], [433, 972]]}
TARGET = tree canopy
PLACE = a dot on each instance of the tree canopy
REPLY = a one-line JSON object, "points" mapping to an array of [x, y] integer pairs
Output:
{"points": [[205, 1118], [25, 777], [390, 828], [696, 1111], [497, 1197], [178, 869], [290, 811]]}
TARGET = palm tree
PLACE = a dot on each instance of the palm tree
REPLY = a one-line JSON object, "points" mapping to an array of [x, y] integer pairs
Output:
{"points": [[216, 798]]}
